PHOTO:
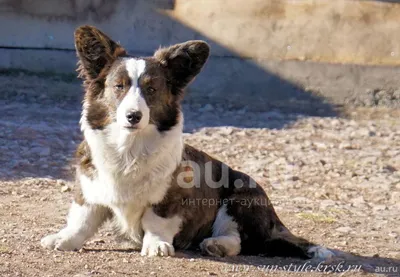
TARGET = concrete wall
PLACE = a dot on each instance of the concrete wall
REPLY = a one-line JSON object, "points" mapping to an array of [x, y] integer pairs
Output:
{"points": [[251, 40], [322, 30]]}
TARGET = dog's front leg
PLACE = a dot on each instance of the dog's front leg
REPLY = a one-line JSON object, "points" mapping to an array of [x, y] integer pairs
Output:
{"points": [[159, 234], [83, 221]]}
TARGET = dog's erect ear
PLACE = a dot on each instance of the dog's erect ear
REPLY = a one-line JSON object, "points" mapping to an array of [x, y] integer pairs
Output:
{"points": [[95, 50], [183, 61]]}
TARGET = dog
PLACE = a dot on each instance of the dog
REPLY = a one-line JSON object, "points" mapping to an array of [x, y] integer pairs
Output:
{"points": [[134, 169]]}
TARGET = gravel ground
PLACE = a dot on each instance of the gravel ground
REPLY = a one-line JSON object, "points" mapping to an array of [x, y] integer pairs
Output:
{"points": [[333, 180]]}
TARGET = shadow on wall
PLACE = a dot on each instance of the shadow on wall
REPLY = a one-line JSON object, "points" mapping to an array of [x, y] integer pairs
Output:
{"points": [[236, 82], [242, 93]]}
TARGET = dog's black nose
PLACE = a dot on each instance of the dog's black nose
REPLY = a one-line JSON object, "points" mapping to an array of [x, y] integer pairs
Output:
{"points": [[134, 117]]}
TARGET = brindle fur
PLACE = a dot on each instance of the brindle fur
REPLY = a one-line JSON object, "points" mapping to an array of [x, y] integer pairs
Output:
{"points": [[261, 230], [167, 73]]}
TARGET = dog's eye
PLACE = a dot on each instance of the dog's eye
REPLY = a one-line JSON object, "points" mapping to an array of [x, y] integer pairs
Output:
{"points": [[119, 87], [151, 90]]}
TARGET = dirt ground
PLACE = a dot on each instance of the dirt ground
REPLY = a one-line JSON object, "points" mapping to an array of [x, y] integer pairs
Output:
{"points": [[333, 180]]}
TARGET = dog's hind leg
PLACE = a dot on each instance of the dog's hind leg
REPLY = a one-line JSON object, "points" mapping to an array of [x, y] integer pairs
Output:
{"points": [[262, 232], [225, 240]]}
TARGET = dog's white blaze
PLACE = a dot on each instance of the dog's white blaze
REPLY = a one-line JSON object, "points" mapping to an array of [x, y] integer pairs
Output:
{"points": [[133, 100], [159, 234]]}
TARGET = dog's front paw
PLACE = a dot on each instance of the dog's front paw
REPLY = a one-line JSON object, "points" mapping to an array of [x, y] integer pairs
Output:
{"points": [[156, 247], [61, 242]]}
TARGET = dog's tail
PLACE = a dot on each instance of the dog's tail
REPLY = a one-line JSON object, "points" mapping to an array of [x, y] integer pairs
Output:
{"points": [[285, 244], [261, 230], [263, 233]]}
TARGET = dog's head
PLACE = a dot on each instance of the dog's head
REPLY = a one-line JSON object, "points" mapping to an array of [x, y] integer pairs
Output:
{"points": [[130, 91]]}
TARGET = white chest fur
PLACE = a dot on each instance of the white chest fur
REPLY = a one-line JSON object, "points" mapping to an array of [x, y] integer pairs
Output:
{"points": [[133, 171]]}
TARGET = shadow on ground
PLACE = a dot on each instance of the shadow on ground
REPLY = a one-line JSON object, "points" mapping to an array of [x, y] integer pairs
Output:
{"points": [[230, 91], [343, 263]]}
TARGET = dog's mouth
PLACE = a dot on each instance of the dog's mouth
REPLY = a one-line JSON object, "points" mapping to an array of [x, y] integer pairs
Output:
{"points": [[131, 128]]}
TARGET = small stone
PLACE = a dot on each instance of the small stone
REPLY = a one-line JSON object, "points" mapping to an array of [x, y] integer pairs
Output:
{"points": [[389, 168], [358, 201], [345, 145], [295, 178], [320, 145], [60, 183], [97, 241], [335, 122], [277, 186], [191, 260], [327, 203], [20, 164], [345, 229], [343, 243], [379, 208], [301, 199], [65, 189]]}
